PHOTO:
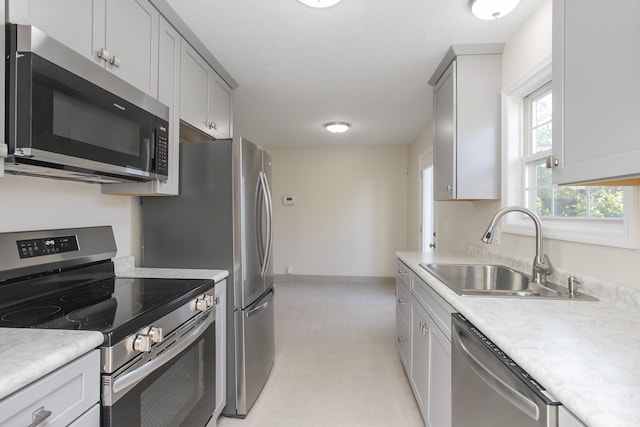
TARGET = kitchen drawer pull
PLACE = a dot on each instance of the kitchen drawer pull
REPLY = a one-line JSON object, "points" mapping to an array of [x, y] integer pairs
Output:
{"points": [[38, 416]]}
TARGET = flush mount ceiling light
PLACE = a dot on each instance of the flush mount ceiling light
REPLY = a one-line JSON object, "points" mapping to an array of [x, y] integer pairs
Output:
{"points": [[492, 9], [320, 3], [337, 127]]}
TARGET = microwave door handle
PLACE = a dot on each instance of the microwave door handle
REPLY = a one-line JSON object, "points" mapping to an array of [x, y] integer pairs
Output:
{"points": [[511, 395]]}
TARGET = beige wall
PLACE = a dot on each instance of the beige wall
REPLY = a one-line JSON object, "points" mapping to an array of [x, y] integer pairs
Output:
{"points": [[350, 213], [462, 223], [30, 203]]}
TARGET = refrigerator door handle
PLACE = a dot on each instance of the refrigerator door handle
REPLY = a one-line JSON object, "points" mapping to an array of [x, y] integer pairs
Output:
{"points": [[267, 202], [262, 306]]}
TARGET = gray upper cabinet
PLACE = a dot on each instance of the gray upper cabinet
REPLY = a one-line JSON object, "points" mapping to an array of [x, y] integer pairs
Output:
{"points": [[206, 110], [596, 91], [467, 86], [169, 47], [121, 35]]}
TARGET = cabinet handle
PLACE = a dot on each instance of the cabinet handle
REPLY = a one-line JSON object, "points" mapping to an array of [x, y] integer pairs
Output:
{"points": [[213, 126], [551, 162], [217, 300], [449, 188], [424, 328], [402, 340], [38, 416], [402, 301], [103, 54], [115, 61]]}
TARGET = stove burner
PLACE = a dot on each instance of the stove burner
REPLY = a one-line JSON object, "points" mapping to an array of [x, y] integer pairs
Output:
{"points": [[85, 295], [103, 314], [31, 315]]}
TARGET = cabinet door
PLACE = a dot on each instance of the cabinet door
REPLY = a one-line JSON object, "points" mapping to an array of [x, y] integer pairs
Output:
{"points": [[439, 396], [168, 94], [194, 83], [420, 337], [132, 42], [567, 419], [219, 107], [595, 90], [78, 24], [221, 347], [444, 119]]}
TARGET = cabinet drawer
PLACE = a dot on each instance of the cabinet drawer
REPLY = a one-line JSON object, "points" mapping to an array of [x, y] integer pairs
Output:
{"points": [[67, 392], [403, 340], [439, 310], [404, 274], [403, 302]]}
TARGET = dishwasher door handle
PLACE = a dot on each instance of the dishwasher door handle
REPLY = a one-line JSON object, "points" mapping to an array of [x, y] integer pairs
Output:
{"points": [[507, 392]]}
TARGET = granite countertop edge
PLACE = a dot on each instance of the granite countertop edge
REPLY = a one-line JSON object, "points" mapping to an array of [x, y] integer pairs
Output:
{"points": [[26, 355]]}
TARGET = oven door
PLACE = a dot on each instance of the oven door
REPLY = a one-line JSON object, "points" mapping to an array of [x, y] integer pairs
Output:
{"points": [[177, 392]]}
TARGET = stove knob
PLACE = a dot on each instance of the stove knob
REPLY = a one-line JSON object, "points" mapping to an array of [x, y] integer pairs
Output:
{"points": [[142, 343], [201, 304], [211, 301], [156, 334]]}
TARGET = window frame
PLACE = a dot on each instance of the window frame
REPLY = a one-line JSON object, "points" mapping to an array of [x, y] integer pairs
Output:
{"points": [[615, 233]]}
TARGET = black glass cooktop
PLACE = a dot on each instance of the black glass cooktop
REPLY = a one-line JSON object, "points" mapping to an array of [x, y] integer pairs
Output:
{"points": [[117, 307]]}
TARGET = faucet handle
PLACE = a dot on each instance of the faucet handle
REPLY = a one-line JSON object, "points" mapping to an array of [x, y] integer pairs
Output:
{"points": [[543, 265]]}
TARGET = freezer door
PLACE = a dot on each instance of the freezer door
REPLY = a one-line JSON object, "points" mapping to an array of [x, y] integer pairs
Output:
{"points": [[255, 350], [253, 212]]}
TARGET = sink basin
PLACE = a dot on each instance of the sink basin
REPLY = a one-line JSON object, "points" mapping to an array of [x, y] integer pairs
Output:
{"points": [[496, 280]]}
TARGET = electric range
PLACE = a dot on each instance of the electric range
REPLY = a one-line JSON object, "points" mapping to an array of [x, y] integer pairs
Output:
{"points": [[65, 279]]}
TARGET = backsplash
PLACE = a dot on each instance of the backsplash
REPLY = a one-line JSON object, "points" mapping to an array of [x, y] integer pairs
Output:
{"points": [[620, 294]]}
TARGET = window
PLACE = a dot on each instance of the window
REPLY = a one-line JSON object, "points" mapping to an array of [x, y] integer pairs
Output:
{"points": [[587, 214], [541, 196]]}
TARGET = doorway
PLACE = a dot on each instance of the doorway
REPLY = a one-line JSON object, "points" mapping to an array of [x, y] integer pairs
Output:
{"points": [[427, 234]]}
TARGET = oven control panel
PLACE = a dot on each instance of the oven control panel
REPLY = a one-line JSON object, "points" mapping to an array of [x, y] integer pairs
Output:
{"points": [[47, 246]]}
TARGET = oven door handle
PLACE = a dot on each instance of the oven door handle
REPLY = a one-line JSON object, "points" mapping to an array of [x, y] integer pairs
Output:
{"points": [[134, 377], [507, 392]]}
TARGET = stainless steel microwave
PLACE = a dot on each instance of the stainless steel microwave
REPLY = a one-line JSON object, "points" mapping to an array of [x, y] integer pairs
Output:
{"points": [[69, 118]]}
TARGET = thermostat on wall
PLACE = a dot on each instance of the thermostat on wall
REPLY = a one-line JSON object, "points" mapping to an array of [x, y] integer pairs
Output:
{"points": [[288, 200]]}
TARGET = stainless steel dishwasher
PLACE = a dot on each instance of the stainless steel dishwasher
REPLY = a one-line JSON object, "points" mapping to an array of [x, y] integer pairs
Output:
{"points": [[491, 390]]}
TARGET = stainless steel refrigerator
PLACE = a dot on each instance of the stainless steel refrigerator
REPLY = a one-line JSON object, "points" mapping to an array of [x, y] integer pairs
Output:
{"points": [[222, 220]]}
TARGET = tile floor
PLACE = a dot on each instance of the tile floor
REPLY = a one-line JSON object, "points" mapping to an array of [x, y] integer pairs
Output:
{"points": [[336, 362]]}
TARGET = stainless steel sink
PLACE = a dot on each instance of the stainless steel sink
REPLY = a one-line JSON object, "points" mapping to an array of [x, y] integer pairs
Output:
{"points": [[496, 280]]}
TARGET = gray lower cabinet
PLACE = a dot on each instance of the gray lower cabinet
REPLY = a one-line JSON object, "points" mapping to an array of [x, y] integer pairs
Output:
{"points": [[221, 347], [424, 345], [567, 419], [69, 396]]}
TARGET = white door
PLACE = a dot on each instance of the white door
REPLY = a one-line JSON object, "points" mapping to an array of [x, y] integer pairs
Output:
{"points": [[427, 202]]}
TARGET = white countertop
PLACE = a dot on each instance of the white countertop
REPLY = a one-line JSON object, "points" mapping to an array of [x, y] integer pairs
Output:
{"points": [[26, 355], [585, 353], [125, 267], [175, 273]]}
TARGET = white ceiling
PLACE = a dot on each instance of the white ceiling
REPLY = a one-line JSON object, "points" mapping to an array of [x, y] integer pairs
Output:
{"points": [[366, 62]]}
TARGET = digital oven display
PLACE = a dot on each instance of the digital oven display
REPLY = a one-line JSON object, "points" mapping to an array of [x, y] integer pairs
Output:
{"points": [[47, 246]]}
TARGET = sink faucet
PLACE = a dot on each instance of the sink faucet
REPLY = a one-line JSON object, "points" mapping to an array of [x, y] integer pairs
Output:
{"points": [[541, 264]]}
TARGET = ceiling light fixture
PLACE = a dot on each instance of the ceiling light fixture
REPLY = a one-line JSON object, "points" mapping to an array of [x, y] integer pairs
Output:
{"points": [[320, 3], [492, 9], [337, 127]]}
